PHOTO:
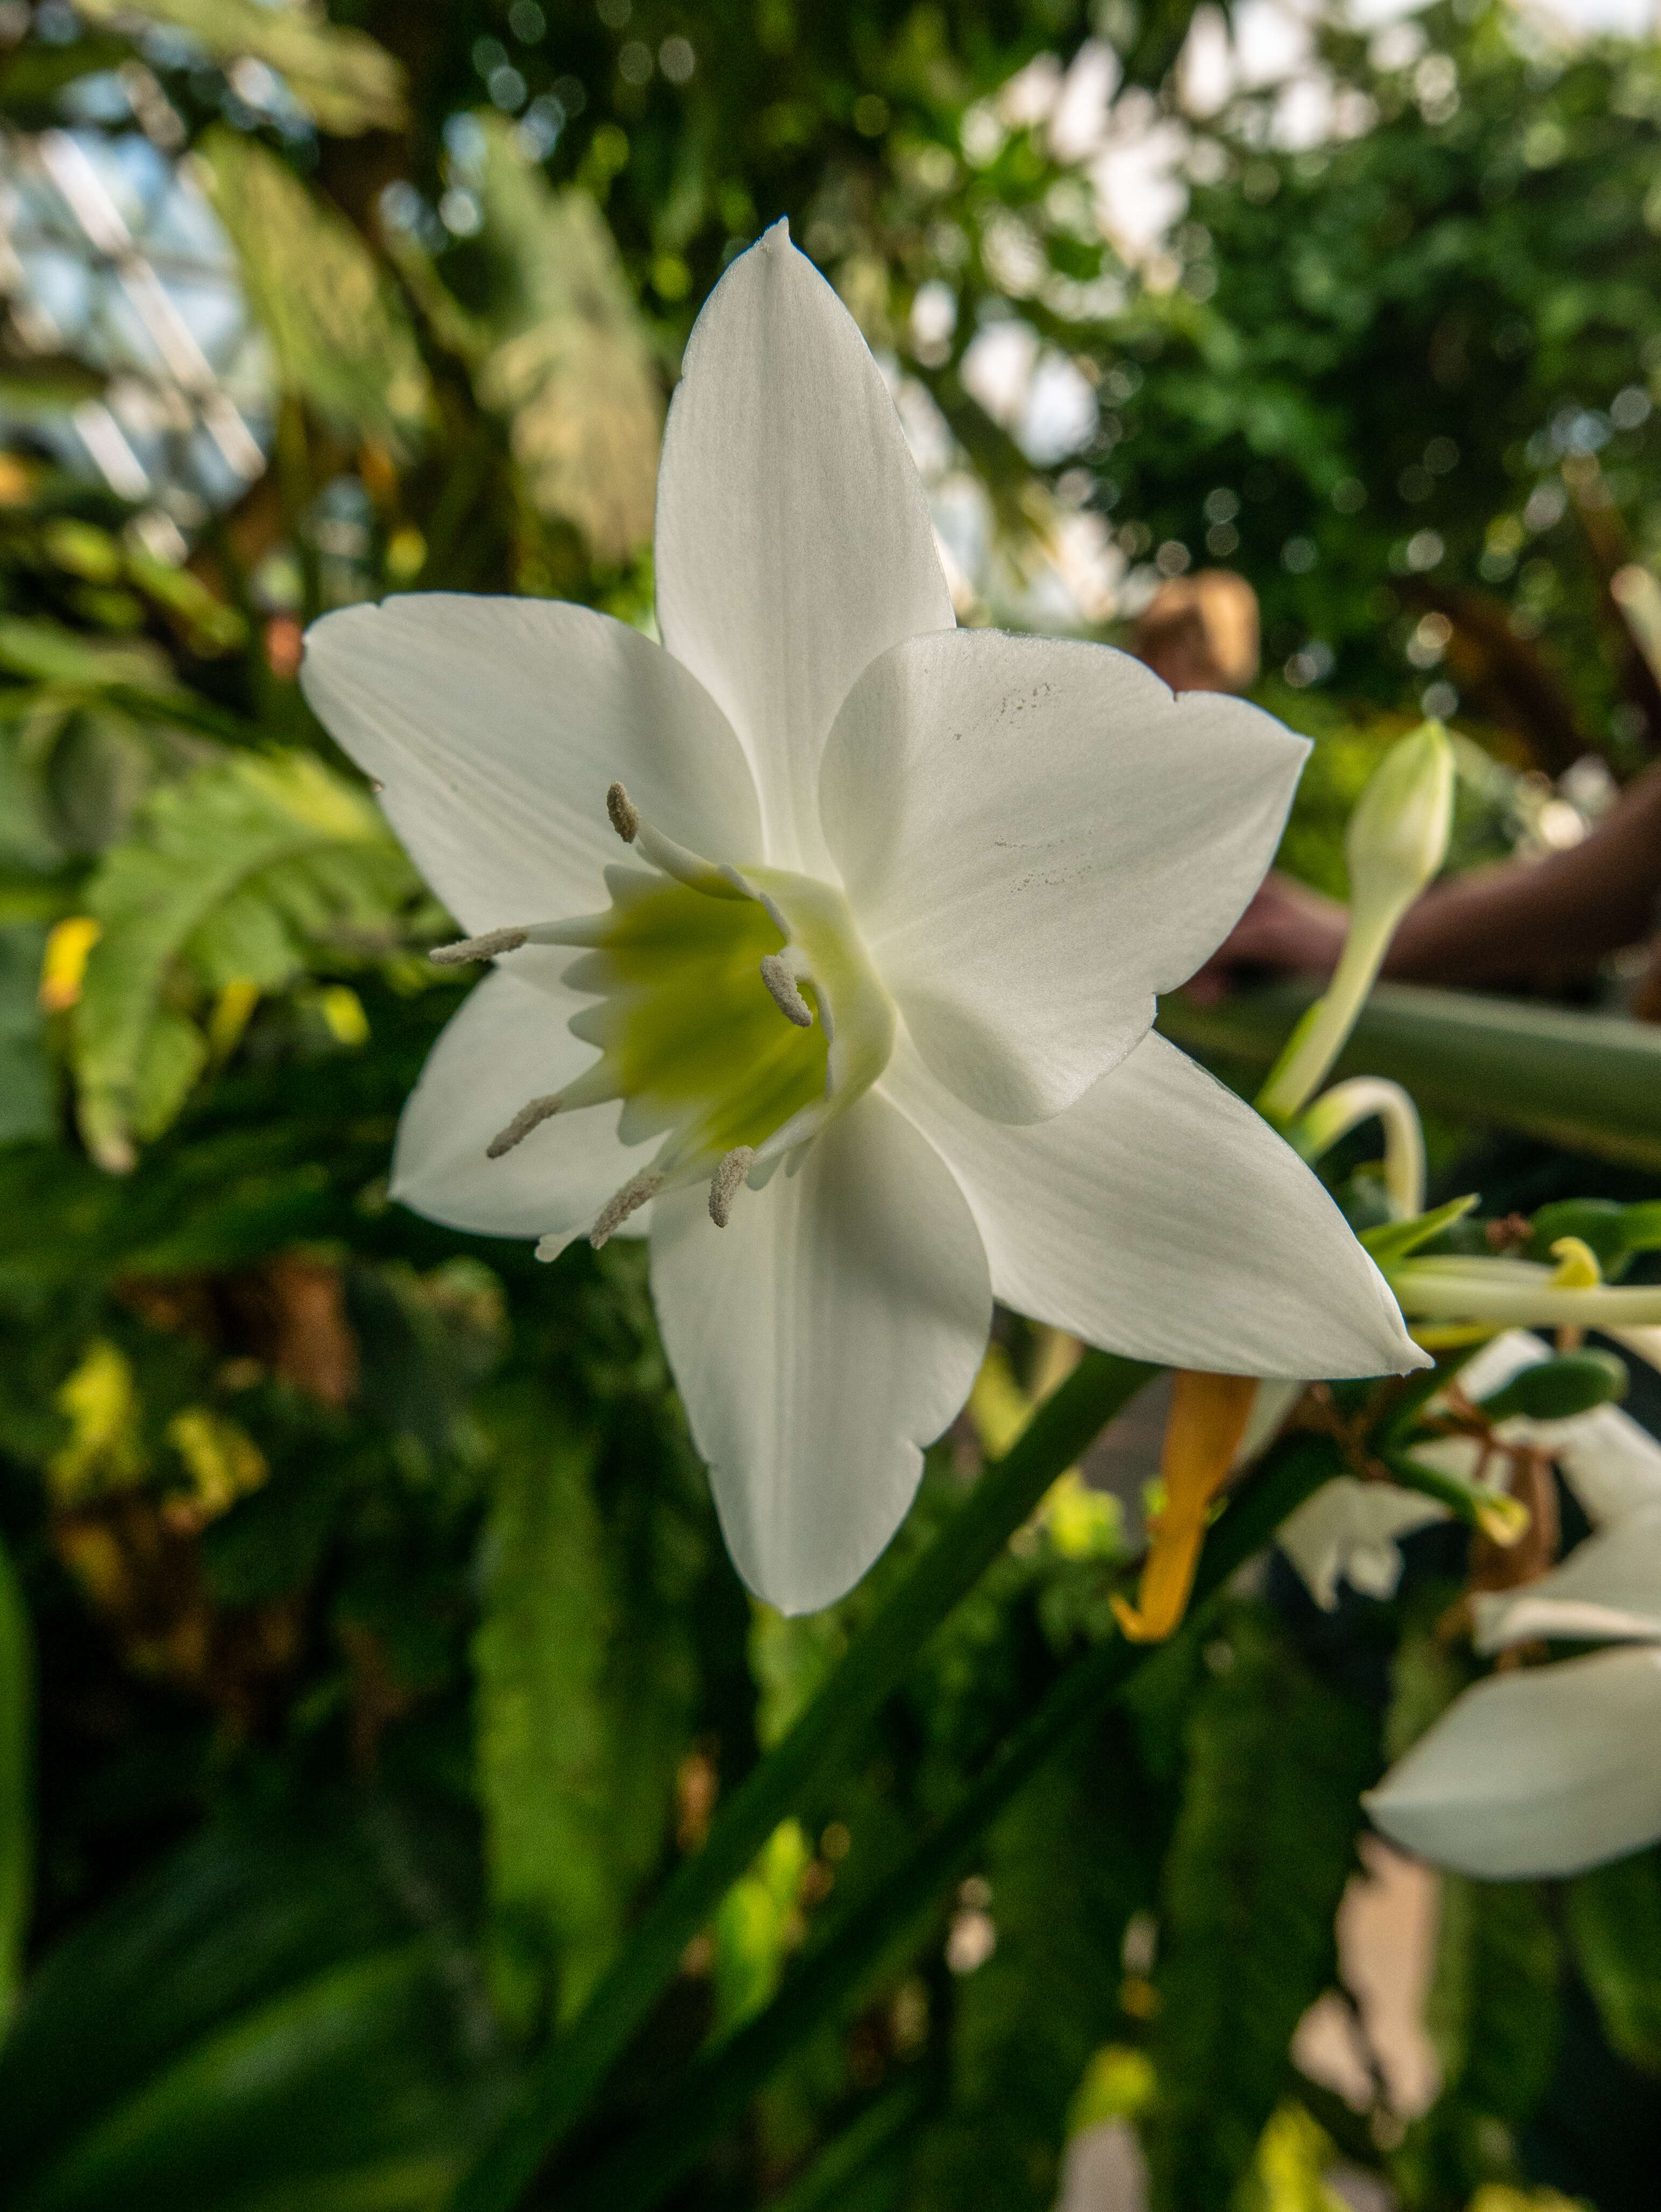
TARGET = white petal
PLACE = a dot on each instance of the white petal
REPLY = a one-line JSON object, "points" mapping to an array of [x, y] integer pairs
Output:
{"points": [[1161, 1218], [1541, 1772], [508, 1045], [1612, 1464], [496, 725], [1608, 1586], [1348, 1524], [1036, 837], [793, 540], [819, 1341]]}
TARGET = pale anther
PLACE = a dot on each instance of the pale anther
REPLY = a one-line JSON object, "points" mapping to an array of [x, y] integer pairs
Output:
{"points": [[727, 1181], [528, 1118], [777, 974], [634, 1193], [478, 948], [625, 816]]}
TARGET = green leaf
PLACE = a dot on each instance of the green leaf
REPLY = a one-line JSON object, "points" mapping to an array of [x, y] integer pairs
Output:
{"points": [[1586, 1081], [275, 2017], [16, 1794], [346, 81], [1064, 1876], [1493, 2015], [1614, 1927], [234, 873], [338, 329], [1394, 1240], [1263, 1848], [571, 367], [578, 1741], [26, 1083]]}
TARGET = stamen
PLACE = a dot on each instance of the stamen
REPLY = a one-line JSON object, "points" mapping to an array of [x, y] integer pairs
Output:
{"points": [[679, 861], [634, 1193], [479, 948], [777, 974], [527, 1119], [727, 1181], [625, 816]]}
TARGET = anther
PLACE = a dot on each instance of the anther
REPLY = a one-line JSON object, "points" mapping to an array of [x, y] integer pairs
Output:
{"points": [[727, 1181], [781, 982], [634, 1193], [479, 948], [625, 814], [527, 1119]]}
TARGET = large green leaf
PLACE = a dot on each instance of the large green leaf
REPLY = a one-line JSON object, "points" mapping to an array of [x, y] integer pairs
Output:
{"points": [[26, 1084], [346, 81], [571, 367], [1615, 1926], [234, 873], [275, 2018], [337, 327], [1587, 1081], [1493, 2014], [583, 1706], [1064, 1875], [1264, 1845], [16, 1758]]}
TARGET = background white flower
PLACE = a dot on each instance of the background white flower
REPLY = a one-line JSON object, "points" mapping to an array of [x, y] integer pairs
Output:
{"points": [[1546, 1770], [982, 857]]}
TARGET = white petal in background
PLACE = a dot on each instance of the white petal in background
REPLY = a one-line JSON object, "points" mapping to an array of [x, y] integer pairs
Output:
{"points": [[1161, 1218], [1608, 1586], [495, 726], [1036, 837], [1347, 1532], [1545, 1772], [793, 541], [508, 1044], [831, 1330]]}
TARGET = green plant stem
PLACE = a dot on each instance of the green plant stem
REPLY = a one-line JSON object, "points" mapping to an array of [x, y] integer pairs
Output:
{"points": [[717, 2089], [566, 2079], [1322, 1034]]}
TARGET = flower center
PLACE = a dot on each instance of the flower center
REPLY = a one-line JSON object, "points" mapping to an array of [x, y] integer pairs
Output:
{"points": [[737, 1013]]}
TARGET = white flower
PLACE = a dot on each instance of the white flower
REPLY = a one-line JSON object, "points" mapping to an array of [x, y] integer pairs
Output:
{"points": [[1550, 1769], [908, 893]]}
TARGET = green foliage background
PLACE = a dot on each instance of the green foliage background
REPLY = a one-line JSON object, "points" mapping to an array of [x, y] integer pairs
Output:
{"points": [[368, 1650]]}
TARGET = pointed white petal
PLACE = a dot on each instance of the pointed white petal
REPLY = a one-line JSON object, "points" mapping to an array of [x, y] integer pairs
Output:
{"points": [[1348, 1531], [1541, 1772], [793, 540], [1613, 1466], [496, 725], [508, 1045], [1161, 1218], [819, 1341], [1610, 1586], [1035, 837]]}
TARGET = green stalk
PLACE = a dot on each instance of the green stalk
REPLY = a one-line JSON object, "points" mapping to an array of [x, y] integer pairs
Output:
{"points": [[668, 2142], [565, 2081]]}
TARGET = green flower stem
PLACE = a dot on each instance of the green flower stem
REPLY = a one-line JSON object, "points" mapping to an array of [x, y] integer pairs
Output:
{"points": [[1322, 1034], [566, 2079], [1494, 1511], [717, 2090]]}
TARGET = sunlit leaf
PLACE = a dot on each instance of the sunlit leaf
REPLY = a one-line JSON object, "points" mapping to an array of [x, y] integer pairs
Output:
{"points": [[233, 872], [341, 340], [571, 367], [346, 81]]}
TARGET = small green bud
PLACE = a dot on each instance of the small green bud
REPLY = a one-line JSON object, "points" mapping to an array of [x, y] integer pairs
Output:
{"points": [[1398, 832], [1557, 1390]]}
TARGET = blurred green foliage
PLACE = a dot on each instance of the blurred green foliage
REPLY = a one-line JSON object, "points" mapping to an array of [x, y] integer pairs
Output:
{"points": [[368, 1650]]}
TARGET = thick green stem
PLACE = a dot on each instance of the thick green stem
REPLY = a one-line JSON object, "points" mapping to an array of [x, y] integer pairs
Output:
{"points": [[717, 2089], [566, 2079]]}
